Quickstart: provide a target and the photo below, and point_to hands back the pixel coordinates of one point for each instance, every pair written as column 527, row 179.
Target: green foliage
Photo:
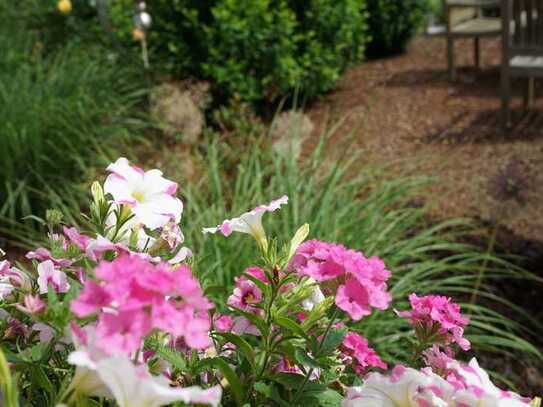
column 52, row 28
column 252, row 48
column 62, row 112
column 392, row 23
column 259, row 49
column 359, row 207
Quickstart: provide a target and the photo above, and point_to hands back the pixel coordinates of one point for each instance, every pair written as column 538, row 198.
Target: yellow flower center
column 138, row 196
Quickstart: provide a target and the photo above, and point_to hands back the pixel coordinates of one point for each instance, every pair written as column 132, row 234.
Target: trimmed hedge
column 392, row 23
column 258, row 49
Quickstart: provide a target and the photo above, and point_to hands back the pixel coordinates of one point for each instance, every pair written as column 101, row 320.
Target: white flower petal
column 123, row 169
column 133, row 386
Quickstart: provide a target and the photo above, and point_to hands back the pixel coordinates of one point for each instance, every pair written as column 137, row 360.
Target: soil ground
column 403, row 109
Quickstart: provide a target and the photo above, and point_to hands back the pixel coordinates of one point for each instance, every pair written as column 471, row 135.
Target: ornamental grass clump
column 115, row 315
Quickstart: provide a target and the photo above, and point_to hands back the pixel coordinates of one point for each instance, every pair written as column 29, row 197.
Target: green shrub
column 62, row 111
column 259, row 49
column 392, row 23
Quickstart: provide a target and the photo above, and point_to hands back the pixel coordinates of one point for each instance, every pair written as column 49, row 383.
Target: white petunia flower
column 314, row 299
column 49, row 275
column 149, row 195
column 478, row 390
column 85, row 359
column 406, row 387
column 250, row 222
column 6, row 287
column 134, row 386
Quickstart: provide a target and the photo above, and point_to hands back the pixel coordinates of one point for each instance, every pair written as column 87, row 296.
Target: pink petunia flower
column 223, row 323
column 286, row 366
column 49, row 275
column 438, row 360
column 134, row 296
column 437, row 318
column 245, row 295
column 362, row 281
column 11, row 278
column 356, row 353
column 76, row 238
column 6, row 288
column 96, row 248
column 42, row 254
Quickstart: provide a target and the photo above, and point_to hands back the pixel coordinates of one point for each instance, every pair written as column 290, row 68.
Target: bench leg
column 477, row 52
column 450, row 58
column 505, row 114
column 531, row 92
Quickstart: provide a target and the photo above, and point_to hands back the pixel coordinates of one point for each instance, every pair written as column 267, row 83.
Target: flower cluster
column 437, row 319
column 362, row 281
column 114, row 312
column 356, row 352
column 132, row 297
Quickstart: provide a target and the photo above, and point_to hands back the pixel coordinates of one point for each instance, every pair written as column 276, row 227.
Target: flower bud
column 33, row 305
column 53, row 217
column 97, row 192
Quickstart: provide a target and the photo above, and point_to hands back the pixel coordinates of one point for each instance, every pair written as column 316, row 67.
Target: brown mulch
column 403, row 109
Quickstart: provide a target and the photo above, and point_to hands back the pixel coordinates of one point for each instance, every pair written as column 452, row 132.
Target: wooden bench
column 465, row 19
column 522, row 49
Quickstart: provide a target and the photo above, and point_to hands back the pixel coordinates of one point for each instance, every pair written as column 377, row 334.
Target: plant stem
column 319, row 347
column 267, row 344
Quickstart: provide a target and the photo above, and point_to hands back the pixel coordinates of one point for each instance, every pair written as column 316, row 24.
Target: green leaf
column 256, row 320
column 39, row 377
column 275, row 396
column 290, row 325
column 36, row 218
column 263, row 388
column 242, row 345
column 214, row 289
column 8, row 386
column 218, row 363
column 314, row 389
column 304, row 359
column 332, row 341
column 330, row 398
column 177, row 359
column 289, row 380
column 37, row 351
